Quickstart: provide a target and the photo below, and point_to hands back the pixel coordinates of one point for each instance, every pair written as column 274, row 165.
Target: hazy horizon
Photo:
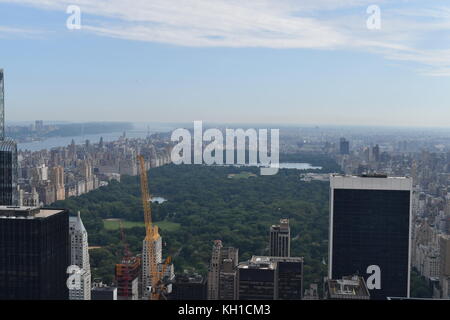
column 309, row 62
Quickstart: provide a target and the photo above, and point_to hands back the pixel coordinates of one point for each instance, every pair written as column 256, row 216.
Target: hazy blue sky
column 271, row 61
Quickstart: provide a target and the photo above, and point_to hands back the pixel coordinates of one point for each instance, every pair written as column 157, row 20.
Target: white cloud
column 6, row 32
column 317, row 24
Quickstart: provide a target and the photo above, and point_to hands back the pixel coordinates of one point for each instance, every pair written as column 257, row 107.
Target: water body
column 299, row 166
column 159, row 199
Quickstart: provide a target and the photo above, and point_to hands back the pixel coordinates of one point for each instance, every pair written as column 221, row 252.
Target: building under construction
column 127, row 278
column 127, row 272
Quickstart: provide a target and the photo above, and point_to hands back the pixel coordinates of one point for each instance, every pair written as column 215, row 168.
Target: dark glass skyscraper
column 280, row 239
column 8, row 157
column 370, row 232
column 8, row 172
column 344, row 146
column 34, row 253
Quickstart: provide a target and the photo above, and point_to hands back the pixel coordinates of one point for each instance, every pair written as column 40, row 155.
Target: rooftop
column 258, row 263
column 370, row 182
column 20, row 212
column 351, row 287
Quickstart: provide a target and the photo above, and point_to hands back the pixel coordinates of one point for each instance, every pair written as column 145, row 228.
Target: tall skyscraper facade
column 289, row 277
column 79, row 256
column 370, row 232
column 271, row 278
column 223, row 265
column 280, row 239
column 34, row 253
column 188, row 287
column 8, row 157
column 258, row 279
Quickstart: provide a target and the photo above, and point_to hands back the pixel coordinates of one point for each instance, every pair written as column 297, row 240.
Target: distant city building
column 189, row 287
column 219, row 254
column 347, row 288
column 79, row 254
column 370, row 232
column 290, row 277
column 39, row 125
column 34, row 253
column 228, row 280
column 344, row 146
column 258, row 279
column 376, row 153
column 280, row 239
column 270, row 278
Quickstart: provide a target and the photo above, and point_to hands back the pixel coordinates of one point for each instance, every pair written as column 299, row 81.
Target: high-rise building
column 219, row 254
column 214, row 269
column 280, row 239
column 228, row 280
column 2, row 105
column 376, row 153
column 34, row 253
column 370, row 232
column 156, row 249
column 344, row 146
column 270, row 278
column 57, row 179
column 444, row 244
column 8, row 158
column 79, row 256
column 39, row 125
column 258, row 279
column 290, row 277
column 8, row 173
column 189, row 287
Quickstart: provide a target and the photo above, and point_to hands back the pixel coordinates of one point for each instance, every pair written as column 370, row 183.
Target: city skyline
column 314, row 63
column 224, row 150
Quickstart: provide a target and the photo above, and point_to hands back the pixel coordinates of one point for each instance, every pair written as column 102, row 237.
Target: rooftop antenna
column 2, row 107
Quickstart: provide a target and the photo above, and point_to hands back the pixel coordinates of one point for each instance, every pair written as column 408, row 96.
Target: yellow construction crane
column 151, row 235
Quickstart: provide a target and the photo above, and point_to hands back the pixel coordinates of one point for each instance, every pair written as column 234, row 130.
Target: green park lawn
column 113, row 224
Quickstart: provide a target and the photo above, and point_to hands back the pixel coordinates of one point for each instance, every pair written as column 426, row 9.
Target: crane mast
column 151, row 235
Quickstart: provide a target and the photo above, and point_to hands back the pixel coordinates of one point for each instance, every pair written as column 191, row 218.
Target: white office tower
column 79, row 256
column 156, row 244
